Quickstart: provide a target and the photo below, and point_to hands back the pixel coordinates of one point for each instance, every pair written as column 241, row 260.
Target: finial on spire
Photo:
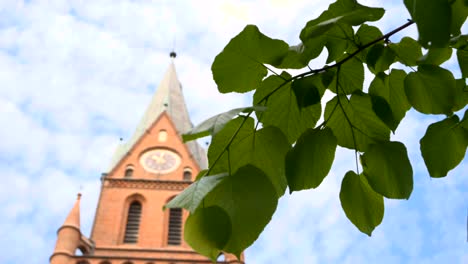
column 173, row 54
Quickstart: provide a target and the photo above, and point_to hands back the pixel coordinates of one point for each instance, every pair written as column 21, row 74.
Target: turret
column 68, row 236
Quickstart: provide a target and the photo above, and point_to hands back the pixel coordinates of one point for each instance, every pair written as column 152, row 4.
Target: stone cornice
column 146, row 184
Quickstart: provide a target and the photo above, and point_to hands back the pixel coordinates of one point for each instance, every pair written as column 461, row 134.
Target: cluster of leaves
column 252, row 161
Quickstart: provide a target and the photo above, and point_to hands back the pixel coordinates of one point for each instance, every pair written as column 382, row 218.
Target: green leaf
column 459, row 14
column 388, row 169
column 283, row 110
column 443, row 146
column 351, row 77
column 462, row 57
column 191, row 197
column 436, row 56
column 407, row 51
column 208, row 230
column 297, row 57
column 461, row 98
column 379, row 58
column 250, row 200
column 338, row 39
column 383, row 110
column 362, row 205
column 310, row 160
column 339, row 14
column 431, row 90
column 346, row 11
column 214, row 124
column 308, row 90
column 459, row 42
column 392, row 89
column 433, row 18
column 367, row 127
column 243, row 57
column 464, row 121
column 364, row 35
column 265, row 149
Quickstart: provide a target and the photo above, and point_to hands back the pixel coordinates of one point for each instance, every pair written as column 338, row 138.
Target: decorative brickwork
column 147, row 184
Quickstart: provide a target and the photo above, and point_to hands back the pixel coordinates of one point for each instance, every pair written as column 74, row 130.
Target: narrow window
column 175, row 226
column 133, row 223
column 129, row 172
column 187, row 174
column 162, row 136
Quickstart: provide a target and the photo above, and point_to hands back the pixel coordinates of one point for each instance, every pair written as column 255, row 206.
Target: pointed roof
column 170, row 99
column 73, row 218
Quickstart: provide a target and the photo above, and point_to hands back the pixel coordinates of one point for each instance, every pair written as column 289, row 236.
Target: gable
column 159, row 154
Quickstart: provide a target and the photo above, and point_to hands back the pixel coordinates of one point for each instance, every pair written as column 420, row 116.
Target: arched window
column 82, row 262
column 129, row 172
column 187, row 174
column 221, row 258
column 80, row 251
column 128, row 262
column 104, row 262
column 133, row 223
column 175, row 227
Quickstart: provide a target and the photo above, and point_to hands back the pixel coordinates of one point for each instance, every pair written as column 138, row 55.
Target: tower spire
column 168, row 98
column 73, row 218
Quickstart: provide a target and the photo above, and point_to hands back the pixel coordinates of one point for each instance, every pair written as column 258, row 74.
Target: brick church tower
column 130, row 226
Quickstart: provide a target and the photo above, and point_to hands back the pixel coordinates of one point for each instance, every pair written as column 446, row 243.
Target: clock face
column 160, row 161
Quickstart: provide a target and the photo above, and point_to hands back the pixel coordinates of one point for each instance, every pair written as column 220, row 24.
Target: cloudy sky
column 75, row 76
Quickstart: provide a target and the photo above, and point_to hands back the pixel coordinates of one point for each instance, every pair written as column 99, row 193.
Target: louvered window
column 133, row 223
column 175, row 226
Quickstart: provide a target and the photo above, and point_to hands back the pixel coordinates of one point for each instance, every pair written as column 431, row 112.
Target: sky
column 75, row 76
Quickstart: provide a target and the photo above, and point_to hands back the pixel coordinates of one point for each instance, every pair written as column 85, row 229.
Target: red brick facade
column 152, row 190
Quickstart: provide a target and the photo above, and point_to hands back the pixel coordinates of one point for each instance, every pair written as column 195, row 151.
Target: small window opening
column 175, row 227
column 80, row 251
column 162, row 136
column 187, row 174
column 133, row 223
column 221, row 258
column 129, row 172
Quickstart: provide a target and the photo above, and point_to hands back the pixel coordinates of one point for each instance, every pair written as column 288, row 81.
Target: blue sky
column 75, row 76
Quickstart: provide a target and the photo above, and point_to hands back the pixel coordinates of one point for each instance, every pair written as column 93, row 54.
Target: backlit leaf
column 431, row 90
column 351, row 77
column 462, row 57
column 250, row 200
column 407, row 51
column 443, row 146
column 367, row 127
column 308, row 90
column 310, row 160
column 283, row 110
column 214, row 124
column 362, row 205
column 265, row 149
column 243, row 57
column 433, row 19
column 379, row 58
column 191, row 197
column 436, row 56
column 388, row 169
column 208, row 230
column 392, row 89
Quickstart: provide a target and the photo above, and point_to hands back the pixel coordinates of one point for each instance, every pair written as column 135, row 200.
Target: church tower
column 146, row 172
